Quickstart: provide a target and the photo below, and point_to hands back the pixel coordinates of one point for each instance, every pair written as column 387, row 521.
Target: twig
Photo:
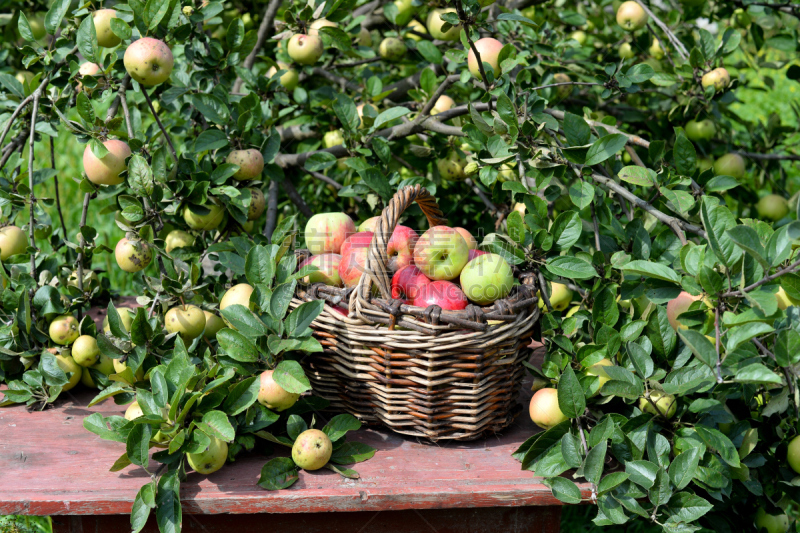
column 123, row 86
column 596, row 228
column 160, row 125
column 14, row 116
column 127, row 114
column 740, row 292
column 543, row 292
column 465, row 24
column 716, row 332
column 153, row 307
column 633, row 139
column 338, row 80
column 671, row 36
column 448, row 81
column 586, row 451
column 485, row 199
column 55, row 181
column 272, row 210
column 322, row 177
column 352, row 64
column 31, row 142
column 264, row 32
column 295, row 197
column 769, row 157
column 82, row 243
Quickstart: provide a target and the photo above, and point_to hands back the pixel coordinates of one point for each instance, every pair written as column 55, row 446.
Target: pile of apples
column 442, row 267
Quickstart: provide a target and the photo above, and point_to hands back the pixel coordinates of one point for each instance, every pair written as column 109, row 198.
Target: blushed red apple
column 328, row 273
column 445, row 294
column 354, row 257
column 441, row 253
column 326, row 232
column 407, row 282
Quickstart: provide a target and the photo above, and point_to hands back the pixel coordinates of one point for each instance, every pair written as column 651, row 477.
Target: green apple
column 237, row 295
column 133, row 411
column 793, row 454
column 677, row 306
column 561, row 92
column 64, row 330
column 730, row 165
column 126, row 317
column 719, row 78
column 85, row 351
column 13, row 241
column 418, row 27
column 364, row 38
column 211, row 459
column 700, row 130
column 443, row 103
column 598, row 371
column 435, row 23
column 665, row 404
column 69, row 366
column 149, row 61
column 312, row 449
column 273, row 396
column 107, row 170
column 451, row 167
column 204, row 221
column 326, row 232
column 404, row 11
column 332, row 138
column 560, row 297
column 544, row 409
column 741, row 19
column 305, row 49
column 102, row 27
column 631, row 16
column 771, row 523
column 289, row 79
column 318, row 24
column 441, row 253
column 392, row 49
column 36, row 22
column 772, row 207
column 178, row 239
column 105, row 365
column 188, row 321
column 655, row 50
column 487, row 278
column 133, row 255
column 258, row 204
column 250, row 161
column 213, row 325
column 625, row 51
column 579, row 36
column 784, row 300
column 489, row 50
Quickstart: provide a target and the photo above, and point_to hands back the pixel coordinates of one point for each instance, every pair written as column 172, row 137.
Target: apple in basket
column 441, row 253
column 326, row 232
column 354, row 257
column 407, row 282
column 472, row 244
column 487, row 278
column 328, row 273
column 400, row 247
column 474, row 253
column 445, row 294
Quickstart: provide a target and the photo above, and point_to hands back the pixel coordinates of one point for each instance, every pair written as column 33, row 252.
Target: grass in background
column 25, row 524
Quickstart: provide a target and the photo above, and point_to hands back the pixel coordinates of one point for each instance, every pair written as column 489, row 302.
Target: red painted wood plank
column 50, row 465
column 482, row 520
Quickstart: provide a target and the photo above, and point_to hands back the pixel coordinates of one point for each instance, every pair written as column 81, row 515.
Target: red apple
column 472, row 254
column 445, row 294
column 441, row 253
column 370, row 224
column 468, row 238
column 328, row 273
column 401, row 247
column 354, row 257
column 407, row 282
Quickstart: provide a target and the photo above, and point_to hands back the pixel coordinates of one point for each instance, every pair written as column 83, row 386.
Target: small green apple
column 64, row 330
column 273, row 396
column 211, row 459
column 149, row 61
column 544, row 409
column 188, row 321
column 312, row 449
column 13, row 241
column 178, row 239
column 771, row 523
column 392, row 49
column 213, row 325
column 305, row 49
column 85, row 351
column 133, row 255
column 665, row 404
column 772, row 207
column 435, row 23
column 631, row 16
column 700, row 130
column 719, row 78
column 793, row 454
column 730, row 165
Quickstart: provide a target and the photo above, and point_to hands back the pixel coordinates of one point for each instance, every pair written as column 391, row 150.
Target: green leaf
column 611, row 481
column 259, row 266
column 571, row 399
column 302, row 317
column 216, row 424
column 717, row 441
column 291, row 377
column 717, row 220
column 137, row 444
column 685, row 156
column 740, row 334
column 210, row 139
column 688, row 507
column 700, row 346
column 684, row 466
column 641, row 359
column 642, row 472
column 154, row 11
column 245, row 322
column 605, row 147
column 144, row 501
column 576, row 130
column 54, row 16
column 352, row 452
column 168, row 503
column 563, row 489
column 747, row 239
column 721, row 183
column 140, row 176
column 571, row 267
column 757, row 373
column 638, row 176
column 660, row 332
column 295, row 425
column 581, row 194
column 278, row 473
column 393, row 113
column 24, row 28
column 340, row 425
column 235, row 34
column 121, row 29
column 566, row 230
column 237, row 346
column 595, row 460
column 242, row 396
column 87, row 40
column 649, row 269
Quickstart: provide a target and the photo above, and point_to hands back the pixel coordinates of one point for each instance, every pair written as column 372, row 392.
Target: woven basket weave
column 444, row 374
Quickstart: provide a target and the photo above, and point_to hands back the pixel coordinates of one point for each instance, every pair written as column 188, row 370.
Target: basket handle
column 376, row 270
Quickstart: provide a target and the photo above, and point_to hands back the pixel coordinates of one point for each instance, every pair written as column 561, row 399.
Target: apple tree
column 602, row 146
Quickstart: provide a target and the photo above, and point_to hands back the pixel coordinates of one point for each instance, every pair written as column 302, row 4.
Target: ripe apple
column 207, row 221
column 69, row 366
column 656, row 52
column 13, row 241
column 126, row 317
column 598, row 371
column 404, row 11
column 407, row 283
column 133, row 411
column 445, row 294
column 328, row 273
column 625, row 51
column 770, row 522
column 90, row 280
column 120, row 366
column 273, row 396
column 793, row 454
column 102, row 27
column 188, row 321
column 443, row 103
column 400, row 248
column 468, row 238
column 305, row 49
column 148, row 61
column 474, row 253
column 105, row 366
column 318, row 24
column 392, row 49
column 85, row 351
column 487, row 278
column 700, row 130
column 631, row 16
column 435, row 24
column 579, row 36
column 312, row 449
column 441, row 253
column 289, row 79
column 678, row 305
column 730, row 165
column 544, row 409
column 64, row 330
column 250, row 161
column 416, row 26
column 452, row 167
column 106, row 171
column 213, row 325
column 326, row 232
column 369, row 225
column 354, row 257
column 133, row 255
column 489, row 50
column 211, row 459
column 332, row 138
column 665, row 404
column 178, row 238
column 772, row 207
column 719, row 78
column 237, row 295
column 560, row 297
column 87, row 69
column 258, row 204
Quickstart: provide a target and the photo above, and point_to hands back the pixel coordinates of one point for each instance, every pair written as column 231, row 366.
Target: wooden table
column 50, row 465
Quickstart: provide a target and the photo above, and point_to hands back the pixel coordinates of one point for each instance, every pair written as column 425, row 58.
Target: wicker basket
column 444, row 374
